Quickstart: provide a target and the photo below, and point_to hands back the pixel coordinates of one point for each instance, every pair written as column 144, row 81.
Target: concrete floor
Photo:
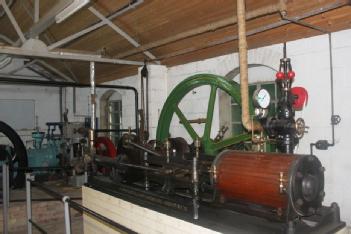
column 48, row 214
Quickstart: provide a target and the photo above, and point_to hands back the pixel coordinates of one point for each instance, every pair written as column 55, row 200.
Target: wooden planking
column 137, row 218
column 336, row 20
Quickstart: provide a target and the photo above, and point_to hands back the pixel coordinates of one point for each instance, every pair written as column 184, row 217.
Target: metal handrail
column 68, row 203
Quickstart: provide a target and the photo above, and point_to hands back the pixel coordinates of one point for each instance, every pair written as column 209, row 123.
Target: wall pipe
column 244, row 83
column 142, row 110
column 61, row 105
column 145, row 74
column 77, row 85
column 93, row 105
column 335, row 119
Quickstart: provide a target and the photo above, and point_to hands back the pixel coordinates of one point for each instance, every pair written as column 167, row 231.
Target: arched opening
column 111, row 113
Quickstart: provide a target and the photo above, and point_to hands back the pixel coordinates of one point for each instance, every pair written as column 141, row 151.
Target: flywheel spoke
column 186, row 123
column 210, row 109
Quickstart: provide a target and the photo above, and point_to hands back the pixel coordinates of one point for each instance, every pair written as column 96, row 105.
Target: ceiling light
column 70, row 10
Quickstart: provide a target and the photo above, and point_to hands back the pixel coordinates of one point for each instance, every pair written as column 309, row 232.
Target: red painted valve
column 105, row 147
column 301, row 95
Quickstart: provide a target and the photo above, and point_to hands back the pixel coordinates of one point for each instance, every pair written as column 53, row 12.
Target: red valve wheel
column 105, row 147
column 301, row 95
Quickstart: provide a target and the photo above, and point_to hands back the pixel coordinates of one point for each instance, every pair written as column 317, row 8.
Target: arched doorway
column 111, row 113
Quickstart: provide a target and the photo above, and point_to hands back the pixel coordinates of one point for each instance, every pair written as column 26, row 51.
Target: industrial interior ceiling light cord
column 244, row 83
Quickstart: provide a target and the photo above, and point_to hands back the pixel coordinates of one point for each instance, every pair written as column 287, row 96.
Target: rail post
column 29, row 177
column 65, row 200
column 5, row 196
column 8, row 183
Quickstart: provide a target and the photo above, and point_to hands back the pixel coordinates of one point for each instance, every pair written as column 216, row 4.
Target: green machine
column 171, row 107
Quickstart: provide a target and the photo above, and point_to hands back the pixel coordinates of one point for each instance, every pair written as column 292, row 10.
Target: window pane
column 115, row 117
column 236, row 113
column 238, row 129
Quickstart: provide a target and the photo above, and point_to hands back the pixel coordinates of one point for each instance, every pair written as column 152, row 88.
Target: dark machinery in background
column 59, row 152
column 212, row 174
column 63, row 148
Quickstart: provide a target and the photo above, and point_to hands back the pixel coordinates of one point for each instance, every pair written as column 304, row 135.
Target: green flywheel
column 179, row 92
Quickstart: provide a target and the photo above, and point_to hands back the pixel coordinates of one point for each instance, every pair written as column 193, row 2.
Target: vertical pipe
column 196, row 180
column 60, row 103
column 29, row 203
column 36, row 11
column 147, row 114
column 74, row 101
column 331, row 87
column 4, row 197
column 93, row 103
column 65, row 200
column 168, row 148
column 147, row 105
column 7, row 185
column 146, row 173
column 142, row 112
column 136, row 108
column 244, row 83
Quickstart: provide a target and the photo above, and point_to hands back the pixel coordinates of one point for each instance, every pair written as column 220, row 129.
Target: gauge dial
column 262, row 98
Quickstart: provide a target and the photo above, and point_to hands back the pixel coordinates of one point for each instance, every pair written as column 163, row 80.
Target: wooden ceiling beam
column 267, row 10
column 284, row 21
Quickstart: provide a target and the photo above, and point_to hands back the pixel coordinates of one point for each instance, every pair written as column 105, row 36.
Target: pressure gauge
column 261, row 98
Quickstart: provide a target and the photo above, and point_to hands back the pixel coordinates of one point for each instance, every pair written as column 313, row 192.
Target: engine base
column 223, row 220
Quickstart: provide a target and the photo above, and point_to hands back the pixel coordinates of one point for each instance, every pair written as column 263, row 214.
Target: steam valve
column 301, row 97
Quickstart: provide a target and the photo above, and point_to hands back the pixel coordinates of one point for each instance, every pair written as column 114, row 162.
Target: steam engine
column 217, row 173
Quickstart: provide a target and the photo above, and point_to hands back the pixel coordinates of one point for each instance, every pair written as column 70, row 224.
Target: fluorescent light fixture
column 70, row 10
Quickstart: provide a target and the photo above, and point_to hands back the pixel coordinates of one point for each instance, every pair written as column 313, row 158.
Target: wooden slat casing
column 251, row 177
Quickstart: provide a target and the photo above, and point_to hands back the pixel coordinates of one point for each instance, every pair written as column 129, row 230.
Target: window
column 12, row 113
column 115, row 119
column 237, row 127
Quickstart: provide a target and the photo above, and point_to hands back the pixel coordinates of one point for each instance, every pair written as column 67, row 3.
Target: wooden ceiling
column 154, row 20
